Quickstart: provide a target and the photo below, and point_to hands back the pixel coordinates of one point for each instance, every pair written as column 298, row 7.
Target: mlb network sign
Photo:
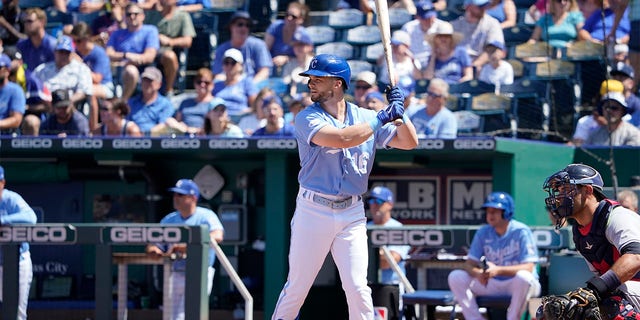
column 437, row 199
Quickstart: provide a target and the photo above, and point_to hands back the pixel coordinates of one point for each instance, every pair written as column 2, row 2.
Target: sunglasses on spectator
column 30, row 20
column 105, row 109
column 242, row 24
column 292, row 16
column 363, row 87
column 229, row 62
column 134, row 14
column 200, row 82
column 376, row 201
column 433, row 95
column 613, row 108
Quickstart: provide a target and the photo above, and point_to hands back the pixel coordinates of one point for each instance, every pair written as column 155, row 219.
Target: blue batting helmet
column 501, row 200
column 328, row 65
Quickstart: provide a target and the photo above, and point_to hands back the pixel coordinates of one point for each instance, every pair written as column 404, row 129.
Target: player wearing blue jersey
column 185, row 200
column 13, row 209
column 336, row 143
column 501, row 261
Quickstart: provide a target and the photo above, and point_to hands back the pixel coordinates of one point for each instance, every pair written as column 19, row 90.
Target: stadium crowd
column 118, row 73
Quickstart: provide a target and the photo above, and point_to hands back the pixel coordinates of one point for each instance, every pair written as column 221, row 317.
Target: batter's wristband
column 405, row 117
column 375, row 124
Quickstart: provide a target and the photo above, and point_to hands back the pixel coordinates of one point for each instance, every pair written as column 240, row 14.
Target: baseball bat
column 382, row 11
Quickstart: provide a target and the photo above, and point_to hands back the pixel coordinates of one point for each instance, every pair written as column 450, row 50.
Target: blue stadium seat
column 23, row 4
column 341, row 49
column 448, row 14
column 358, row 66
column 362, row 36
column 344, row 19
column 56, row 20
column 397, row 18
column 321, row 34
column 87, row 17
column 465, row 90
column 372, row 52
column 201, row 53
column 516, row 35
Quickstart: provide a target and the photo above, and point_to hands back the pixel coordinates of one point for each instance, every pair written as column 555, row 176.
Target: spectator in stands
column 625, row 74
column 218, row 124
column 237, row 90
column 149, row 109
column 65, row 120
column 12, row 100
column 11, row 27
column 295, row 106
column 104, row 25
column 375, row 101
column 403, row 62
column 502, row 260
column 187, row 211
column 366, row 82
column 95, row 57
column 82, row 6
column 176, row 33
column 275, row 126
column 425, row 22
column 560, row 25
column 478, row 29
column 38, row 47
column 504, row 11
column 255, row 119
column 193, row 5
column 113, row 116
column 448, row 60
column 15, row 210
column 434, row 120
column 620, row 8
column 303, row 50
column 497, row 71
column 620, row 54
column 589, row 123
column 628, row 199
column 38, row 97
column 280, row 35
column 616, row 132
column 599, row 23
column 380, row 202
column 133, row 47
column 191, row 115
column 257, row 62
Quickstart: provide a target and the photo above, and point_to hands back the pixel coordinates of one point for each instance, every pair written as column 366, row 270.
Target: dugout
column 89, row 180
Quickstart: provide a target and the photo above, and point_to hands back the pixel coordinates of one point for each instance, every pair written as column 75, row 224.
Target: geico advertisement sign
column 425, row 238
column 144, row 234
column 37, row 234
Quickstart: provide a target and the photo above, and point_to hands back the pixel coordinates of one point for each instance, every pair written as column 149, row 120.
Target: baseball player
column 13, row 209
column 501, row 261
column 185, row 200
column 605, row 233
column 336, row 143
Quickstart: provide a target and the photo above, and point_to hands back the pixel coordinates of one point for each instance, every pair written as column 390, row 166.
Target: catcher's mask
column 563, row 185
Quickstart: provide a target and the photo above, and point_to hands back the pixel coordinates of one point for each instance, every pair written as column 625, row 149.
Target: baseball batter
column 336, row 143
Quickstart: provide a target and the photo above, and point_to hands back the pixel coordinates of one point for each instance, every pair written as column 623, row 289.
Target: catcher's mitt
column 579, row 304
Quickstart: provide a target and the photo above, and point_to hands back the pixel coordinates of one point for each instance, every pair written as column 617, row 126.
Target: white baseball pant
column 178, row 284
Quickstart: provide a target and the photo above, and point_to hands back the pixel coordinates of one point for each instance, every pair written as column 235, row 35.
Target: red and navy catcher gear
column 328, row 65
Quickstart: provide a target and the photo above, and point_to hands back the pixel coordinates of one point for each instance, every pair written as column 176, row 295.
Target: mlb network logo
column 380, row 313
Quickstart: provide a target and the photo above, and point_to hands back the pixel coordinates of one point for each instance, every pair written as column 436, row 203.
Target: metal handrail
column 248, row 299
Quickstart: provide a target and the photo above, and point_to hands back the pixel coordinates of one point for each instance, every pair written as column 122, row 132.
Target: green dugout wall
column 262, row 175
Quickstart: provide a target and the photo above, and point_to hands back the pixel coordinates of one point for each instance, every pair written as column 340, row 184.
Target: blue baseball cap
column 381, row 193
column 186, row 186
column 478, row 3
column 5, row 61
column 623, row 69
column 497, row 44
column 374, row 95
column 1, row 173
column 425, row 10
column 65, row 43
column 302, row 36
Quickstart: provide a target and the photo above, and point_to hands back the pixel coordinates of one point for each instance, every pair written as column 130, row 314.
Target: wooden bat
column 382, row 11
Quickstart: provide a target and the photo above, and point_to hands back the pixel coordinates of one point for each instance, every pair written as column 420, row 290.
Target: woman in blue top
column 560, row 25
column 279, row 35
column 448, row 61
column 237, row 90
column 504, row 11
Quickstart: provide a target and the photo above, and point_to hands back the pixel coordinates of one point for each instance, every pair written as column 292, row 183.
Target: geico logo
column 82, row 143
column 408, row 237
column 33, row 234
column 131, row 143
column 543, row 238
column 180, row 144
column 276, row 144
column 228, row 144
column 431, row 144
column 36, row 143
column 474, row 144
column 141, row 234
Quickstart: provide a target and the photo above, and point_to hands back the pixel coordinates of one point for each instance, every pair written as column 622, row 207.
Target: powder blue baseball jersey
column 344, row 172
column 202, row 216
column 13, row 209
column 516, row 246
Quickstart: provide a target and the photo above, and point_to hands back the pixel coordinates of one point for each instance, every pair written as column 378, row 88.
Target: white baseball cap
column 234, row 54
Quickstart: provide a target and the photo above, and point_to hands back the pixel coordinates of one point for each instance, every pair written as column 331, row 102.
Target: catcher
column 608, row 237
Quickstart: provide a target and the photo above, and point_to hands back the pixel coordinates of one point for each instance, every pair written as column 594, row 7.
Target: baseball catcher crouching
column 584, row 304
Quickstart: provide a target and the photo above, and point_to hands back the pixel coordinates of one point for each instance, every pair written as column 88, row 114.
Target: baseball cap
column 1, row 173
column 219, row 107
column 615, row 96
column 381, row 193
column 367, row 76
column 623, row 69
column 478, row 3
column 234, row 54
column 65, row 43
column 60, row 98
column 5, row 61
column 374, row 95
column 152, row 73
column 186, row 186
column 407, row 85
column 497, row 44
column 241, row 14
column 400, row 37
column 621, row 48
column 611, row 85
column 425, row 9
column 302, row 36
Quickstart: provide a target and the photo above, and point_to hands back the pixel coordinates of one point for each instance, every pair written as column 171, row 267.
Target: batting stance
column 502, row 261
column 336, row 143
column 607, row 235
